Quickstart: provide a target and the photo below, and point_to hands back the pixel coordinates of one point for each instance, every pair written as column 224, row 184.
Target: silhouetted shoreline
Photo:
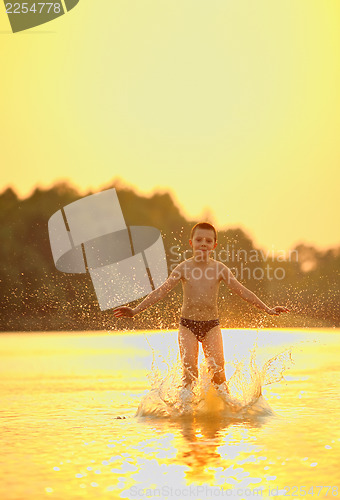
column 37, row 297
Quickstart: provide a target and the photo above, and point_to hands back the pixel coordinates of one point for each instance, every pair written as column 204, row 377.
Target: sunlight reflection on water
column 62, row 395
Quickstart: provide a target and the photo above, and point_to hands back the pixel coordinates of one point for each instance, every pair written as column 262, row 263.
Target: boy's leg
column 213, row 351
column 188, row 346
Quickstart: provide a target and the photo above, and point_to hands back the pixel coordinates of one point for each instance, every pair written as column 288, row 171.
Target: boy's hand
column 124, row 311
column 278, row 309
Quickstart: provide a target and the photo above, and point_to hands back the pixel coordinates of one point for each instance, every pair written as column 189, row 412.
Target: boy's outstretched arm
column 153, row 297
column 248, row 295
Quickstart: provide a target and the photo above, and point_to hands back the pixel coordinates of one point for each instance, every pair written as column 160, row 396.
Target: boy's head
column 203, row 225
column 203, row 239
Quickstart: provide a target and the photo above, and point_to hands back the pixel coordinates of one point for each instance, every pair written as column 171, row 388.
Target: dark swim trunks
column 199, row 328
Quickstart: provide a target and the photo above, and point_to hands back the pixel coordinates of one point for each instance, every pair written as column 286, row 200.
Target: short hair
column 203, row 225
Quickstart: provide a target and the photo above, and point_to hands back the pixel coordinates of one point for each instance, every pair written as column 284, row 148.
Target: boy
column 200, row 276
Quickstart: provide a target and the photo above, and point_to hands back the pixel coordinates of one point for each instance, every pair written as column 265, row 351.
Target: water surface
column 68, row 406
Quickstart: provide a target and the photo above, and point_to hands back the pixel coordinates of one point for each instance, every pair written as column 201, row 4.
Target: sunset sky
column 231, row 106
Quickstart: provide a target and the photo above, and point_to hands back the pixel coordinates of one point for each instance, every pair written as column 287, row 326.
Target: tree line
column 35, row 296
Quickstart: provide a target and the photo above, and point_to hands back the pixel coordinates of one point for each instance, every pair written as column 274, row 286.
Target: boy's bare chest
column 201, row 278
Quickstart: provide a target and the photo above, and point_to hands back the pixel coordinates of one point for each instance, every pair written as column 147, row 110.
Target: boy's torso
column 200, row 282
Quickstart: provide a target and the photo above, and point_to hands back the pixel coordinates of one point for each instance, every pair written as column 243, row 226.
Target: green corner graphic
column 25, row 15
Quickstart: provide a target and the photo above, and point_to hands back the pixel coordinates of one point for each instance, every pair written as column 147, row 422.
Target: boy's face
column 203, row 241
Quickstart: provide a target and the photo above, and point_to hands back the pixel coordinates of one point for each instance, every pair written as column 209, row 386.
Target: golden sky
column 234, row 106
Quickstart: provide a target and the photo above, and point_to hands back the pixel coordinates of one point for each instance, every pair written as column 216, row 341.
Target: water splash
column 168, row 399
